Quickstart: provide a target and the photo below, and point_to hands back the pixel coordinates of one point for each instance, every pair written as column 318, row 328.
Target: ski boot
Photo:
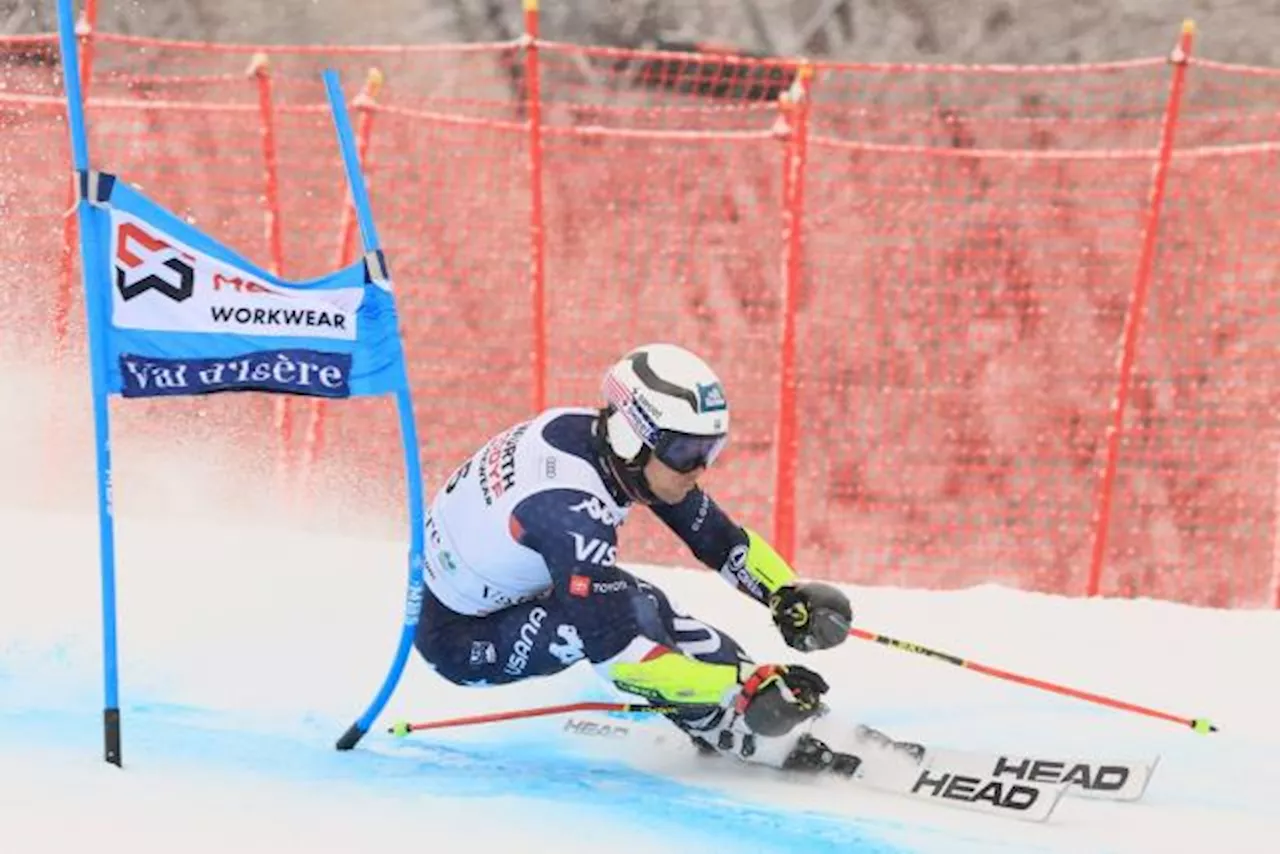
column 759, row 724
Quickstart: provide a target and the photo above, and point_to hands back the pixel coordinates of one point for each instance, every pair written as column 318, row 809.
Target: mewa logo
column 144, row 262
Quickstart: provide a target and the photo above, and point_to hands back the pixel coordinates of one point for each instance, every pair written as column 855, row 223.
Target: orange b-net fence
column 1010, row 325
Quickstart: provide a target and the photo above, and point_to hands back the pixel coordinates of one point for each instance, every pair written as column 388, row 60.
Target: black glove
column 777, row 697
column 811, row 615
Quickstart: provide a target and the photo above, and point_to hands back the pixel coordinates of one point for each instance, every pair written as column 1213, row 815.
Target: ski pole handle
column 1200, row 725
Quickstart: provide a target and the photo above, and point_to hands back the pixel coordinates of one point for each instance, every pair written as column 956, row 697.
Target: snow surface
column 247, row 648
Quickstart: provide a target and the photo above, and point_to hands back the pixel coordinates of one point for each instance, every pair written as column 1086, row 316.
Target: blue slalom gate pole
column 376, row 264
column 91, row 259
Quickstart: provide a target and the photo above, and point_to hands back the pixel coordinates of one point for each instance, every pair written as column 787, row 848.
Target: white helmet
column 663, row 401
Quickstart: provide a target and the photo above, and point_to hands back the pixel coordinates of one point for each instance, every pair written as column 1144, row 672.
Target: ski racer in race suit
column 521, row 562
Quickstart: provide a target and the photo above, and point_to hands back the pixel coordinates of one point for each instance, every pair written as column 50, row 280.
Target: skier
column 522, row 577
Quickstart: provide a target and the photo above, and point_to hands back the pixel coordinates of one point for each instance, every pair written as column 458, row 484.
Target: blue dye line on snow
column 603, row 788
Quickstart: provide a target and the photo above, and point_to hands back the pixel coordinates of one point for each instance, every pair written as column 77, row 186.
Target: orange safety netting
column 931, row 290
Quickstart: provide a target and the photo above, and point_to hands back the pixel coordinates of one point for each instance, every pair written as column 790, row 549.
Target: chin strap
column 627, row 476
column 631, row 479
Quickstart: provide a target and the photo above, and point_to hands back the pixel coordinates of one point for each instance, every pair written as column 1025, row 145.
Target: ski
column 958, row 779
column 1012, row 785
column 914, row 772
column 1110, row 779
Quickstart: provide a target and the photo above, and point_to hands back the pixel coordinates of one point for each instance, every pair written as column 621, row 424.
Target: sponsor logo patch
column 483, row 652
column 638, row 412
column 570, row 647
column 598, row 510
column 497, row 464
column 594, row 550
column 308, row 372
column 735, row 571
column 144, row 263
column 162, row 285
column 711, row 397
column 523, row 648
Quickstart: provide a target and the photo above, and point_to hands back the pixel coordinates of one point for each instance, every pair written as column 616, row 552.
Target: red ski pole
column 403, row 728
column 1200, row 725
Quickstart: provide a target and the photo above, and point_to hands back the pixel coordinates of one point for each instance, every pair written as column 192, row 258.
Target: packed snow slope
column 250, row 640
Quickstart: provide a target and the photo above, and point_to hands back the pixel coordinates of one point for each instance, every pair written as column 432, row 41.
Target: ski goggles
column 685, row 453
